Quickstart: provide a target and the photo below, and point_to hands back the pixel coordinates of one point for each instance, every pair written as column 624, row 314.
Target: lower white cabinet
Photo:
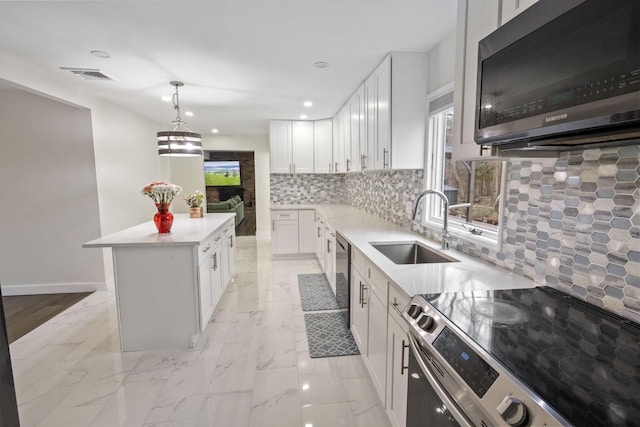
column 205, row 291
column 320, row 242
column 359, row 312
column 293, row 232
column 397, row 371
column 330, row 255
column 369, row 324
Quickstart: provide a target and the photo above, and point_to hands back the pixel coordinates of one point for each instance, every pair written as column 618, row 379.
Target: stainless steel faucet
column 445, row 224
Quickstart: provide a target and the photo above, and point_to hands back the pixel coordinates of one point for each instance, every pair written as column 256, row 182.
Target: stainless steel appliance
column 343, row 273
column 523, row 357
column 561, row 74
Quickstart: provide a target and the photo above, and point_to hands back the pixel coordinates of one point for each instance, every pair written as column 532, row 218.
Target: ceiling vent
column 87, row 73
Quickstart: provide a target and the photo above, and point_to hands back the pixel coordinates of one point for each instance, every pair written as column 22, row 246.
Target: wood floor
column 24, row 313
column 248, row 225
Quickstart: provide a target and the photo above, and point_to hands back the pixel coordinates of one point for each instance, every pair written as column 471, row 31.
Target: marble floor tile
column 327, row 415
column 275, row 399
column 252, row 367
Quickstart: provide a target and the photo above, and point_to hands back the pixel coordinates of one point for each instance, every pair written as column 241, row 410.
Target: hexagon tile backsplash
column 572, row 222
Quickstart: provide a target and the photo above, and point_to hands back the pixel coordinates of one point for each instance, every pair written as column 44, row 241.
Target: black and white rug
column 328, row 335
column 316, row 293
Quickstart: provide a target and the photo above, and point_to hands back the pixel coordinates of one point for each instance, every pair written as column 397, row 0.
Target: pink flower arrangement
column 161, row 192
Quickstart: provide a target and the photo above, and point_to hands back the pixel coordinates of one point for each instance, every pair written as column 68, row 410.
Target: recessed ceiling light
column 307, row 103
column 214, row 130
column 321, row 64
column 188, row 113
column 100, row 54
column 303, row 116
column 166, row 98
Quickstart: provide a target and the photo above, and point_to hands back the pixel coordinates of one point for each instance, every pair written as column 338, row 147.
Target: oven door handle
column 442, row 394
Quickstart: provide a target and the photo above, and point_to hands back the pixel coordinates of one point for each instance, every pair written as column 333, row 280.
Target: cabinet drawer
column 398, row 300
column 378, row 282
column 359, row 261
column 276, row 215
column 206, row 248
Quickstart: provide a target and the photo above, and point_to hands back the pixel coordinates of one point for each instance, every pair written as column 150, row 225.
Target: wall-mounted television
column 222, row 173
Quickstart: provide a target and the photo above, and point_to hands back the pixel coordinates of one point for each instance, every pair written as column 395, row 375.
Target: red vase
column 163, row 218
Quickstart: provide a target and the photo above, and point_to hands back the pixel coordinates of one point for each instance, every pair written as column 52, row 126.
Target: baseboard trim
column 52, row 288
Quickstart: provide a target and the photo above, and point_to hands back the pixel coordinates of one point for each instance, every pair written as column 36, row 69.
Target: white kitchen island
column 167, row 285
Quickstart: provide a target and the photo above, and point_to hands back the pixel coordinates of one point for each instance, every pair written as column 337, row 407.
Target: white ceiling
column 242, row 61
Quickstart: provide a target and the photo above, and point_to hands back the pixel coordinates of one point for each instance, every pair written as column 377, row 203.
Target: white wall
column 50, row 197
column 125, row 149
column 188, row 173
column 442, row 63
column 259, row 144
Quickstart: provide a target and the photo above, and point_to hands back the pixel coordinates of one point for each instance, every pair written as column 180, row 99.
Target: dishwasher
column 343, row 273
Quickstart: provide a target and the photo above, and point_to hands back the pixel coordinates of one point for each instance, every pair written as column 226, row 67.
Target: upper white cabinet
column 291, row 146
column 323, row 146
column 280, row 146
column 476, row 20
column 511, row 8
column 301, row 146
column 481, row 17
column 387, row 115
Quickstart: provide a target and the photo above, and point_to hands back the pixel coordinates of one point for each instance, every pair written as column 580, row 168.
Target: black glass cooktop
column 583, row 361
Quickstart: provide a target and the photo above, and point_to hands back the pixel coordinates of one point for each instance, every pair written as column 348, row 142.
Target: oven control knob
column 425, row 321
column 512, row 411
column 414, row 310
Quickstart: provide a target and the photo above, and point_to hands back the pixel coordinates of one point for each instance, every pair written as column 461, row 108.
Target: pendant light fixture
column 181, row 141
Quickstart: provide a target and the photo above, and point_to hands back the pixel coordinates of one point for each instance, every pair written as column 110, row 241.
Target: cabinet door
column 320, row 241
column 302, row 146
column 323, row 146
column 481, row 18
column 353, row 151
column 359, row 311
column 377, row 344
column 284, row 236
column 205, row 295
column 345, row 147
column 338, row 140
column 368, row 154
column 217, row 287
column 306, row 232
column 511, row 8
column 330, row 256
column 383, row 115
column 397, row 362
column 280, row 146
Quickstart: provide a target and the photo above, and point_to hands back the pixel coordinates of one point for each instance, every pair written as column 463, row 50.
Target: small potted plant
column 194, row 201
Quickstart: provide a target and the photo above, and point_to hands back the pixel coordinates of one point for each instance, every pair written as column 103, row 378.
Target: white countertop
column 361, row 228
column 185, row 231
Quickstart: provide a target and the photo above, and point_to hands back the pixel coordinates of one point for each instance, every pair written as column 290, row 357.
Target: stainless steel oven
column 520, row 357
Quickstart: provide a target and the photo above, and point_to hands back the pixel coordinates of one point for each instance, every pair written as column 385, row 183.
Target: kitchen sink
column 412, row 253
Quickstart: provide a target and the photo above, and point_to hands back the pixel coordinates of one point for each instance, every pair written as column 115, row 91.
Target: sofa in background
column 233, row 205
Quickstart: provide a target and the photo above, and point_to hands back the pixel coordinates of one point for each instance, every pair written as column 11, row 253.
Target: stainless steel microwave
column 561, row 74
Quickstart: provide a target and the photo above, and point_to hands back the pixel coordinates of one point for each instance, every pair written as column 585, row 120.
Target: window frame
column 434, row 178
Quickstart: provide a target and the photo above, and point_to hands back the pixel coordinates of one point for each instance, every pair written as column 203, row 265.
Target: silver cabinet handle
column 328, row 246
column 215, row 262
column 217, row 239
column 360, row 296
column 230, row 241
column 319, row 231
column 385, row 153
column 336, row 169
column 273, row 226
column 330, row 167
column 206, row 249
column 348, row 163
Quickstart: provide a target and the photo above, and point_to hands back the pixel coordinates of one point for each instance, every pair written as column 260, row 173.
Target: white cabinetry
column 511, row 8
column 353, row 151
column 320, row 242
column 228, row 254
column 330, row 256
column 205, row 292
column 306, row 232
column 382, row 148
column 369, row 319
column 397, row 359
column 476, row 20
column 291, row 146
column 293, row 232
column 323, row 146
column 284, row 232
